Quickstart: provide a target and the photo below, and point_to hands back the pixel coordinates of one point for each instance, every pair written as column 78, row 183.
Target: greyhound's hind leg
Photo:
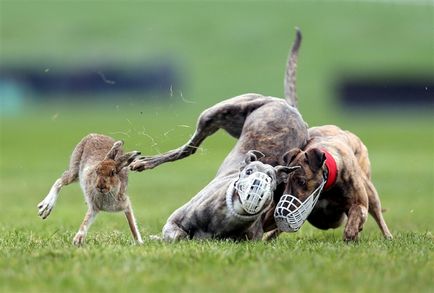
column 375, row 209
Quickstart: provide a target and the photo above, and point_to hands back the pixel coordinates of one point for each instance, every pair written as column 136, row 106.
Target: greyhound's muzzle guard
column 254, row 191
column 291, row 213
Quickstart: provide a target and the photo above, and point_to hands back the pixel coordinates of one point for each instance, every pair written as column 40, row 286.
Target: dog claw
column 350, row 237
column 141, row 165
column 135, row 166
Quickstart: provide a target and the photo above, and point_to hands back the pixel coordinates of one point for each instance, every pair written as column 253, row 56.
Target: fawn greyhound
column 338, row 161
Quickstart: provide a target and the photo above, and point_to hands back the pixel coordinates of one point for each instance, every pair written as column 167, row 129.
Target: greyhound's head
column 302, row 189
column 257, row 182
column 310, row 172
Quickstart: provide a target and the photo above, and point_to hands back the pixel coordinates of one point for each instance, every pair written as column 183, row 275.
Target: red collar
column 332, row 170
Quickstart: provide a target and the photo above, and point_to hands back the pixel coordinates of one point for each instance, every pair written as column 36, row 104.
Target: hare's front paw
column 46, row 206
column 79, row 239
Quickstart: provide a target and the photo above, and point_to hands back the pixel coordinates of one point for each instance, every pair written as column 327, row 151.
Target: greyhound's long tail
column 291, row 66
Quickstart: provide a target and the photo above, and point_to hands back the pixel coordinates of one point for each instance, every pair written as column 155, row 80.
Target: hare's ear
column 126, row 159
column 111, row 155
column 252, row 156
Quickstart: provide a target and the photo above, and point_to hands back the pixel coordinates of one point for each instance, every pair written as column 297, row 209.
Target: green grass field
column 225, row 49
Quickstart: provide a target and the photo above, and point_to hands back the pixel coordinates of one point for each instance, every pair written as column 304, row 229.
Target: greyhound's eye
column 301, row 182
column 249, row 171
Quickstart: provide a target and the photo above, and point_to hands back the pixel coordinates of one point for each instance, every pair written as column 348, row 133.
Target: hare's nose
column 100, row 186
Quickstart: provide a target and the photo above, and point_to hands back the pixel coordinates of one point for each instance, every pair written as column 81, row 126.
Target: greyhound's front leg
column 172, row 232
column 150, row 162
column 357, row 216
column 88, row 220
column 206, row 127
column 229, row 115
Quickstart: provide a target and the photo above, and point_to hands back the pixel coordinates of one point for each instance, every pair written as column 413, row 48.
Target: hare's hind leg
column 71, row 175
column 46, row 206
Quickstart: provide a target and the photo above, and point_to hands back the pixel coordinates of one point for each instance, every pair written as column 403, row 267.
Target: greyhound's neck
column 332, row 163
column 332, row 169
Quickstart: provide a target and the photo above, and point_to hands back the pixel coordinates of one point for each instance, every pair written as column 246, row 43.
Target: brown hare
column 100, row 165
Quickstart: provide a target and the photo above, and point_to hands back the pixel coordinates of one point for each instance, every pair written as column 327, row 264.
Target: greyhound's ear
column 252, row 156
column 111, row 155
column 282, row 173
column 288, row 157
column 315, row 158
column 126, row 159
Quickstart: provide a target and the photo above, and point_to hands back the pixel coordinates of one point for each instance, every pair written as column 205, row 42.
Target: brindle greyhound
column 269, row 125
column 340, row 158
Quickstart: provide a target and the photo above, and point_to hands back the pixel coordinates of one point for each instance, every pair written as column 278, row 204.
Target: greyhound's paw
column 143, row 164
column 350, row 236
column 79, row 239
column 138, row 165
column 45, row 207
column 155, row 238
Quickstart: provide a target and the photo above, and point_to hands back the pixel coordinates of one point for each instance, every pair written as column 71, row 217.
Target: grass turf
column 38, row 255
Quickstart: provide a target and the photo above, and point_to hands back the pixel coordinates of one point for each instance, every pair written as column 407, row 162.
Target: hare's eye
column 112, row 173
column 249, row 171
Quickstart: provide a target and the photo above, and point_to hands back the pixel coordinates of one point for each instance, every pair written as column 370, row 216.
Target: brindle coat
column 352, row 196
column 99, row 164
column 207, row 214
column 266, row 124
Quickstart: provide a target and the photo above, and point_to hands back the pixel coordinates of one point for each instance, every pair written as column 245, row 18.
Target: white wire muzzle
column 254, row 191
column 291, row 213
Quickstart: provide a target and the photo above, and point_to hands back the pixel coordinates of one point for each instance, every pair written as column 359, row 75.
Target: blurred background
column 143, row 71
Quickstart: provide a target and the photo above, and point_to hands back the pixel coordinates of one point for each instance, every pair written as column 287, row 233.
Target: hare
column 99, row 164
